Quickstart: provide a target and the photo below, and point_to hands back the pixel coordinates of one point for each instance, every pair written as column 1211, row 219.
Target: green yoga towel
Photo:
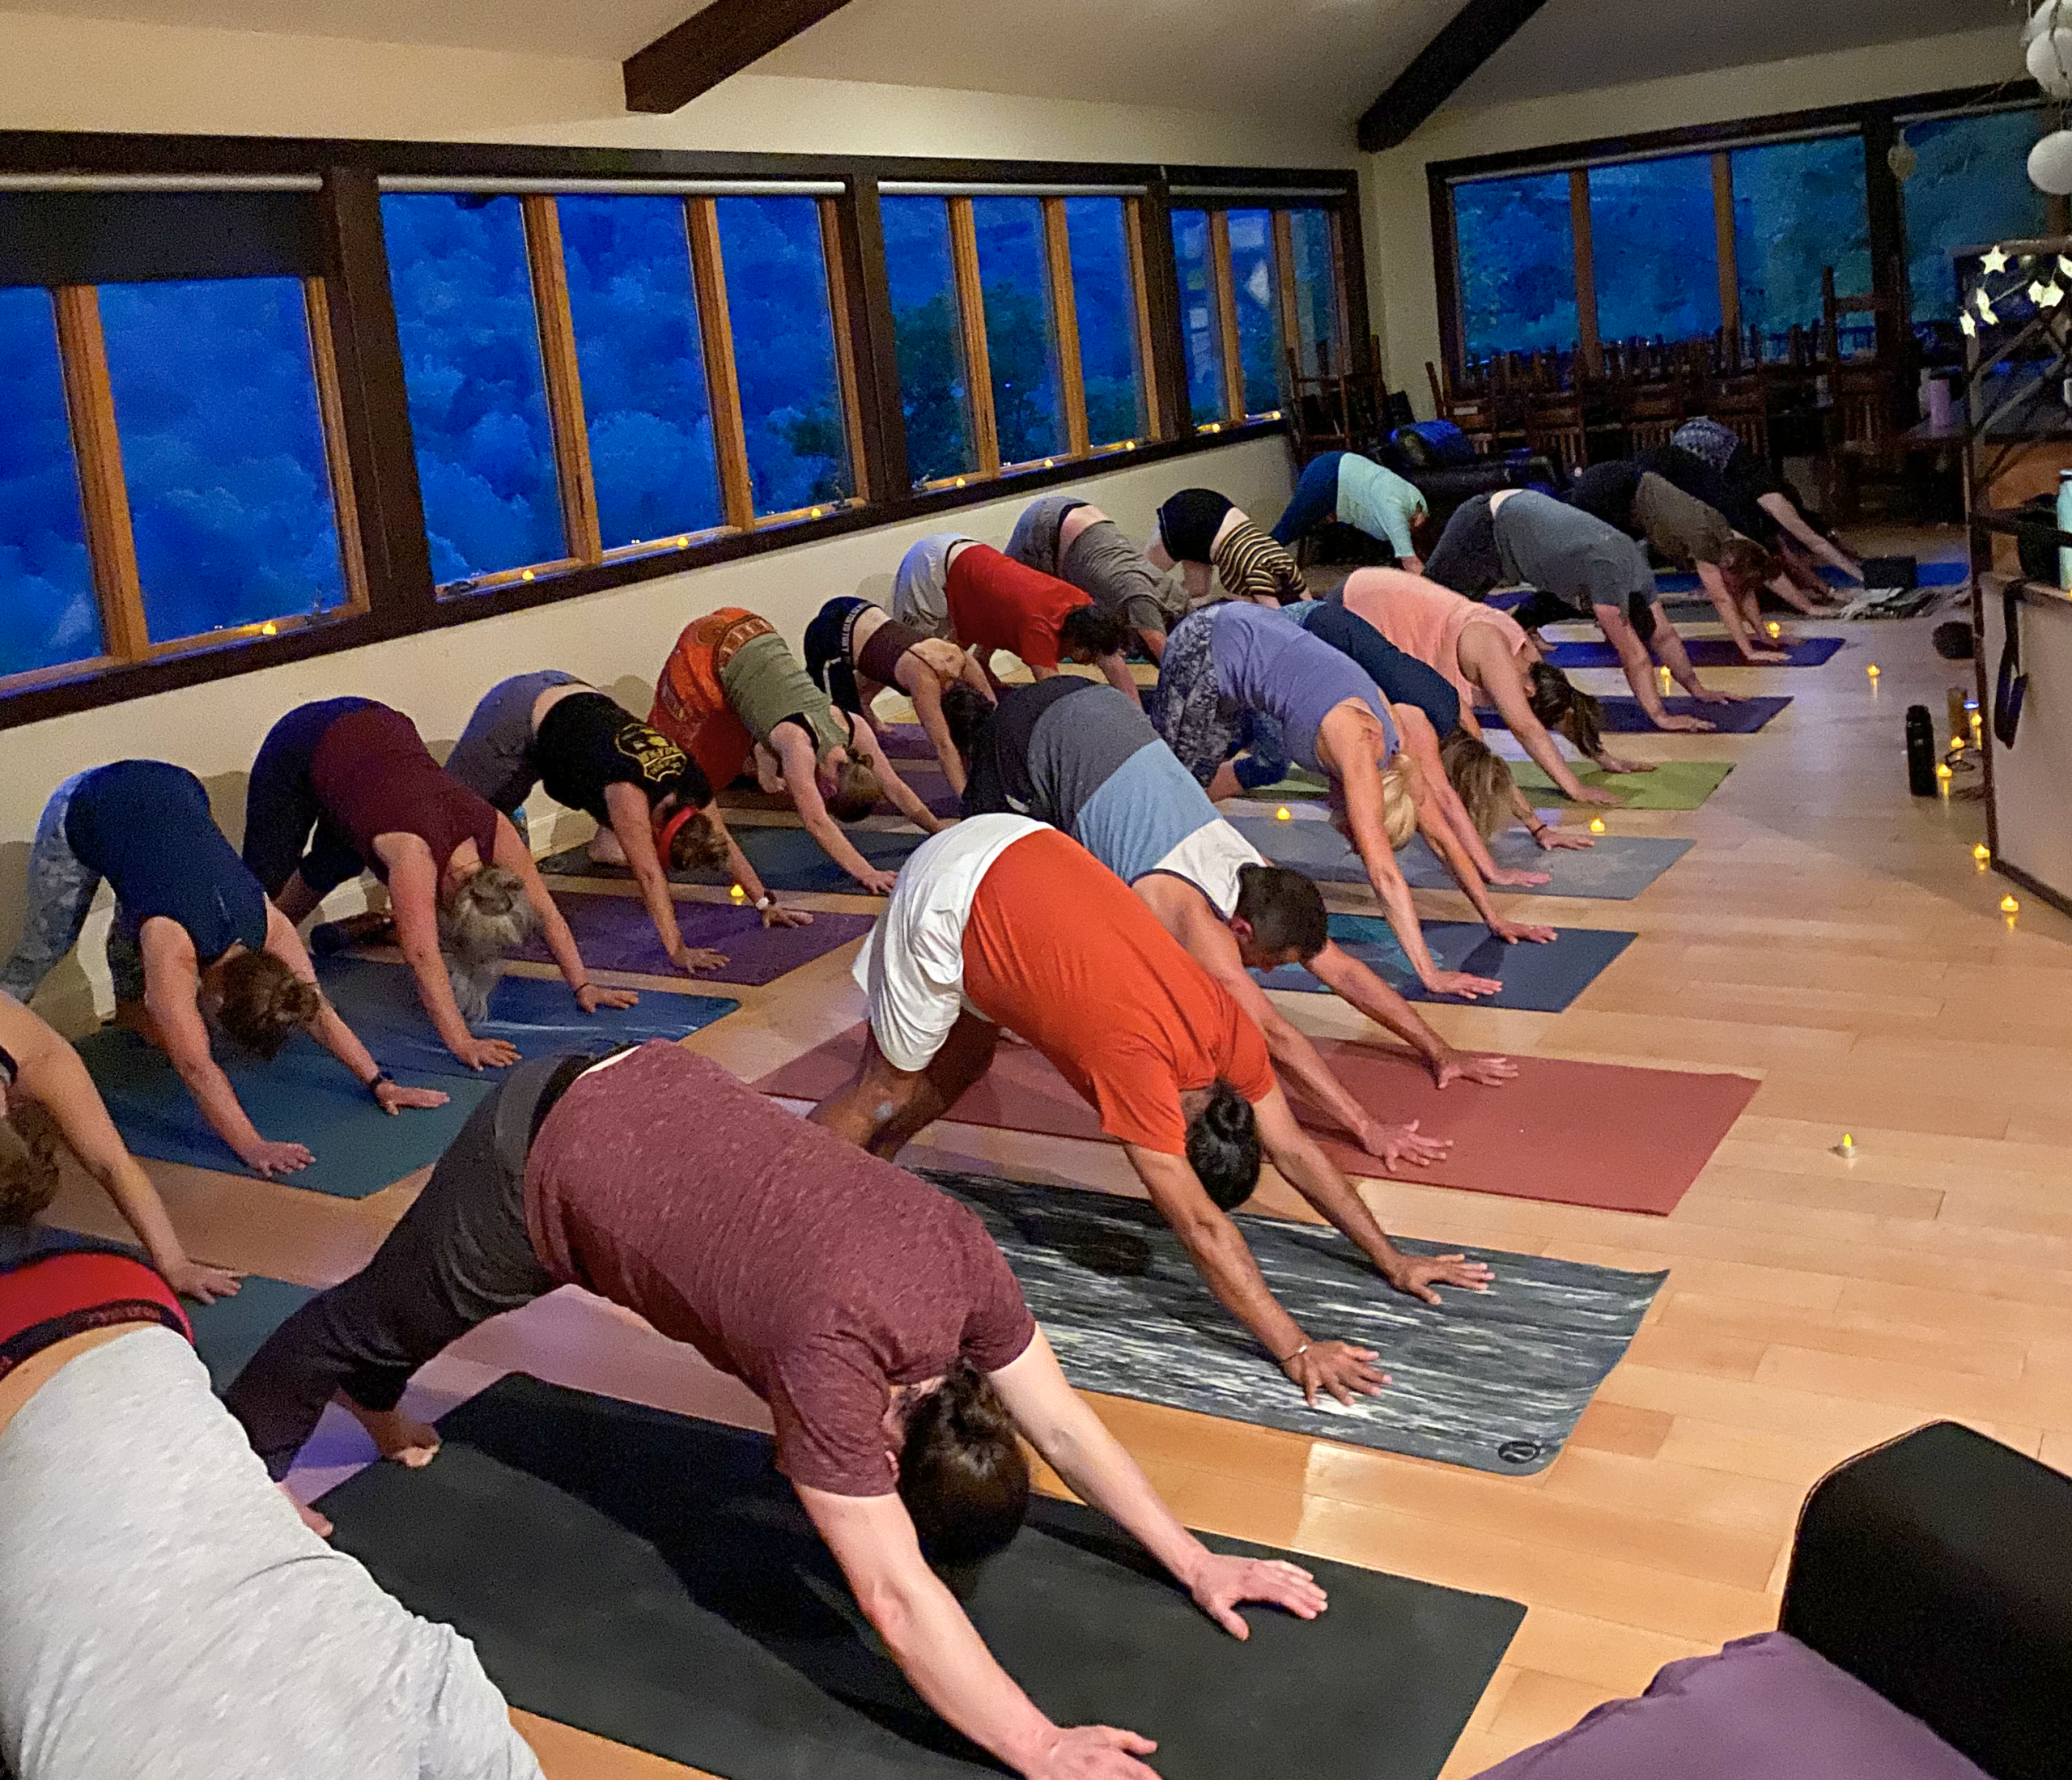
column 1675, row 784
column 1298, row 783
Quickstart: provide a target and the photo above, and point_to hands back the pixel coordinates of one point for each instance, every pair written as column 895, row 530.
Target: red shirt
column 807, row 1268
column 997, row 604
column 374, row 775
column 1063, row 952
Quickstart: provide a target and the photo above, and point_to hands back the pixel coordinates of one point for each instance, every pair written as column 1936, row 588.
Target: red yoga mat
column 1576, row 1133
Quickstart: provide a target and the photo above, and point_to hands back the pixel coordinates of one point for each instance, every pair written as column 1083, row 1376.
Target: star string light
column 1994, row 262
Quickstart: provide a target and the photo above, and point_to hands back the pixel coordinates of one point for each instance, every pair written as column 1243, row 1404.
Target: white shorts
column 911, row 967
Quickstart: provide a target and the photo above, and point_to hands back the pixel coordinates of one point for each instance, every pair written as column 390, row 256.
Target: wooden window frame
column 363, row 404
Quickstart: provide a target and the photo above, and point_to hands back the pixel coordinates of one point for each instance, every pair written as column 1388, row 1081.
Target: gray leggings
column 61, row 887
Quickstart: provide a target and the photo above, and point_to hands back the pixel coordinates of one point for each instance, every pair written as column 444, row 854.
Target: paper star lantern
column 1994, row 262
column 1969, row 326
column 1986, row 310
column 2049, row 297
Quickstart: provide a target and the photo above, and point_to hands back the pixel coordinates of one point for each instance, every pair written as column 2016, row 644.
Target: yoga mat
column 1623, row 716
column 614, row 933
column 305, row 1096
column 229, row 1332
column 904, row 740
column 1616, row 869
column 1494, row 1381
column 1674, row 784
column 1950, row 574
column 785, row 859
column 651, row 1579
column 930, row 786
column 538, row 1014
column 1705, row 651
column 1574, row 1133
column 1536, row 979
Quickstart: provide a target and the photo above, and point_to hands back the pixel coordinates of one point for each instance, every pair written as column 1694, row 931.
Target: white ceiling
column 1321, row 58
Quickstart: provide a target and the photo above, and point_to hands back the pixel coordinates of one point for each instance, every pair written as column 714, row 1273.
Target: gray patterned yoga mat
column 1492, row 1381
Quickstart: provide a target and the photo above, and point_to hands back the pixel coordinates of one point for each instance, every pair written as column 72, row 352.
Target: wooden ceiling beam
column 721, row 40
column 1475, row 34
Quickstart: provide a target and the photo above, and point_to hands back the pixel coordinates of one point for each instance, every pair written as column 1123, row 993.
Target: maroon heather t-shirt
column 815, row 1272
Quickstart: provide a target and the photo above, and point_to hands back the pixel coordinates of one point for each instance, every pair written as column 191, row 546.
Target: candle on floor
column 1942, row 777
column 1774, row 628
column 1846, row 1149
column 1284, row 814
column 1872, row 670
column 1597, row 824
column 1983, row 854
column 738, row 893
column 2009, row 906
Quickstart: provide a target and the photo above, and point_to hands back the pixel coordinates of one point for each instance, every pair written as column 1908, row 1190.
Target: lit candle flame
column 1597, row 824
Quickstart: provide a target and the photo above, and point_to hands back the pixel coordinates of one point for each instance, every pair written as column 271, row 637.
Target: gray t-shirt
column 167, row 1614
column 1546, row 543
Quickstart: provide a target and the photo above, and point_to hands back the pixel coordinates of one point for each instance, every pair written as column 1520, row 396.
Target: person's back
column 374, row 775
column 1266, row 663
column 1427, row 621
column 1560, row 551
column 1400, row 678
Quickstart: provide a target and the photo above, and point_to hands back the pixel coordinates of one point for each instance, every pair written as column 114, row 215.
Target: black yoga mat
column 650, row 1579
column 1492, row 1380
column 786, row 859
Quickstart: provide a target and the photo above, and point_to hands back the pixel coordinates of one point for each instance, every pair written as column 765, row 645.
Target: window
column 1021, row 342
column 1516, row 245
column 1655, row 247
column 1256, row 290
column 48, row 612
column 471, row 362
column 1104, row 284
column 647, row 414
column 784, row 352
column 935, row 396
column 1799, row 207
column 1313, row 251
column 1201, row 322
column 1970, row 188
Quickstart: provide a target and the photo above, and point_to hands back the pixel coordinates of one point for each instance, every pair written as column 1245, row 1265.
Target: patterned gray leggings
column 60, row 892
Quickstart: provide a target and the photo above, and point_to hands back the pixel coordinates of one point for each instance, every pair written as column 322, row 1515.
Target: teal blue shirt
column 1373, row 499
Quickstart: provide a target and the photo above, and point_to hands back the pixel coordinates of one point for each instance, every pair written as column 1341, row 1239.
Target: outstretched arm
column 1669, row 649
column 516, row 857
column 928, row 707
column 1639, row 669
column 864, row 744
column 1346, row 977
column 1421, row 743
column 1780, row 508
column 413, row 888
column 330, row 1030
column 796, row 753
column 1116, row 672
column 1730, row 614
column 1433, row 824
column 1483, row 652
column 633, row 824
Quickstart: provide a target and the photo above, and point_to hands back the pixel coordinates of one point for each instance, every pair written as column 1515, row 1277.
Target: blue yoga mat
column 1623, row 716
column 1952, row 574
column 229, row 1332
column 538, row 1014
column 785, row 859
column 1536, row 979
column 1705, row 651
column 305, row 1096
column 1616, row 869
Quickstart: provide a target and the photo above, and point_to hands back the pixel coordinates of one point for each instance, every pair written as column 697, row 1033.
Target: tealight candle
column 1981, row 852
column 1774, row 628
column 1872, row 670
column 1597, row 824
column 1846, row 1149
column 1284, row 814
column 739, row 895
column 2009, row 906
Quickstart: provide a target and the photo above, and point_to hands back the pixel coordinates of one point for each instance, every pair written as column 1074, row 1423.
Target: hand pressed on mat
column 1335, row 1367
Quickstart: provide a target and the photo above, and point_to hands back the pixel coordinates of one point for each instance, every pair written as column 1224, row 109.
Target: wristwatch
column 374, row 1087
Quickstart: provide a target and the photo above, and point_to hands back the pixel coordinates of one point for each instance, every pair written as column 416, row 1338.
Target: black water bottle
column 1920, row 751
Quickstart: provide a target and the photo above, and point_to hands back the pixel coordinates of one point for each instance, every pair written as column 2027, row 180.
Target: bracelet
column 1297, row 1355
column 374, row 1087
column 1536, row 832
column 766, row 901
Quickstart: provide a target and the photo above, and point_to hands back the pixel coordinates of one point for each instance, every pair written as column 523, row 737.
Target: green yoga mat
column 1675, row 784
column 1494, row 1381
column 651, row 1579
column 305, row 1096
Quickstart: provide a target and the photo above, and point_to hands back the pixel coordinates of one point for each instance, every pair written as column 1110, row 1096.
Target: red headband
column 668, row 831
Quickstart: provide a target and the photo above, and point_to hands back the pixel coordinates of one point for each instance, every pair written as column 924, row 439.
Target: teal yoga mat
column 304, row 1095
column 538, row 1014
column 229, row 1332
column 785, row 859
column 1536, row 979
column 1616, row 869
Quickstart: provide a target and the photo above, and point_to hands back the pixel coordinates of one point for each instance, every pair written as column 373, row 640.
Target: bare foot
column 396, row 1436
column 309, row 1517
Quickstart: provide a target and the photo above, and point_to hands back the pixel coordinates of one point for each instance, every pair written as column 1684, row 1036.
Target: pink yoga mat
column 1576, row 1133
column 614, row 933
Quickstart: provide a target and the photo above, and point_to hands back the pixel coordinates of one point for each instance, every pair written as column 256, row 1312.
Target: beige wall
column 617, row 640
column 1402, row 291
column 79, row 74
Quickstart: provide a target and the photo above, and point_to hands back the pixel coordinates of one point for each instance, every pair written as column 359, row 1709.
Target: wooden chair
column 1866, row 391
column 1554, row 428
column 1475, row 416
column 1742, row 403
column 1653, row 411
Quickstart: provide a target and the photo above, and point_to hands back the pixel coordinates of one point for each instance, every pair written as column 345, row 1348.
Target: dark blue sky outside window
column 1257, row 289
column 1316, row 289
column 933, row 394
column 644, row 399
column 1517, row 254
column 1021, row 338
column 1198, row 320
column 471, row 360
column 1655, row 245
column 1798, row 207
column 784, row 333
column 1105, row 303
column 222, row 452
column 1971, row 188
column 48, row 612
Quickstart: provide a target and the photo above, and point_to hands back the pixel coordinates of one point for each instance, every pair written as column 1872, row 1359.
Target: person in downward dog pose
column 1762, row 505
column 1085, row 760
column 948, row 585
column 161, row 1610
column 654, row 807
column 194, row 939
column 462, row 884
column 1006, row 922
column 1357, row 491
column 1582, row 568
column 732, row 693
column 1205, row 534
column 1307, row 702
column 872, row 1312
column 855, row 650
column 1065, row 536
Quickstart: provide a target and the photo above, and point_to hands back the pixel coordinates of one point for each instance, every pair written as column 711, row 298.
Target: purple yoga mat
column 614, row 933
column 904, row 742
column 1705, row 651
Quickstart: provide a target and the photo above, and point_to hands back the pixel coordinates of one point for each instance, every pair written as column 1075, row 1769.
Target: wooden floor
column 1828, row 933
